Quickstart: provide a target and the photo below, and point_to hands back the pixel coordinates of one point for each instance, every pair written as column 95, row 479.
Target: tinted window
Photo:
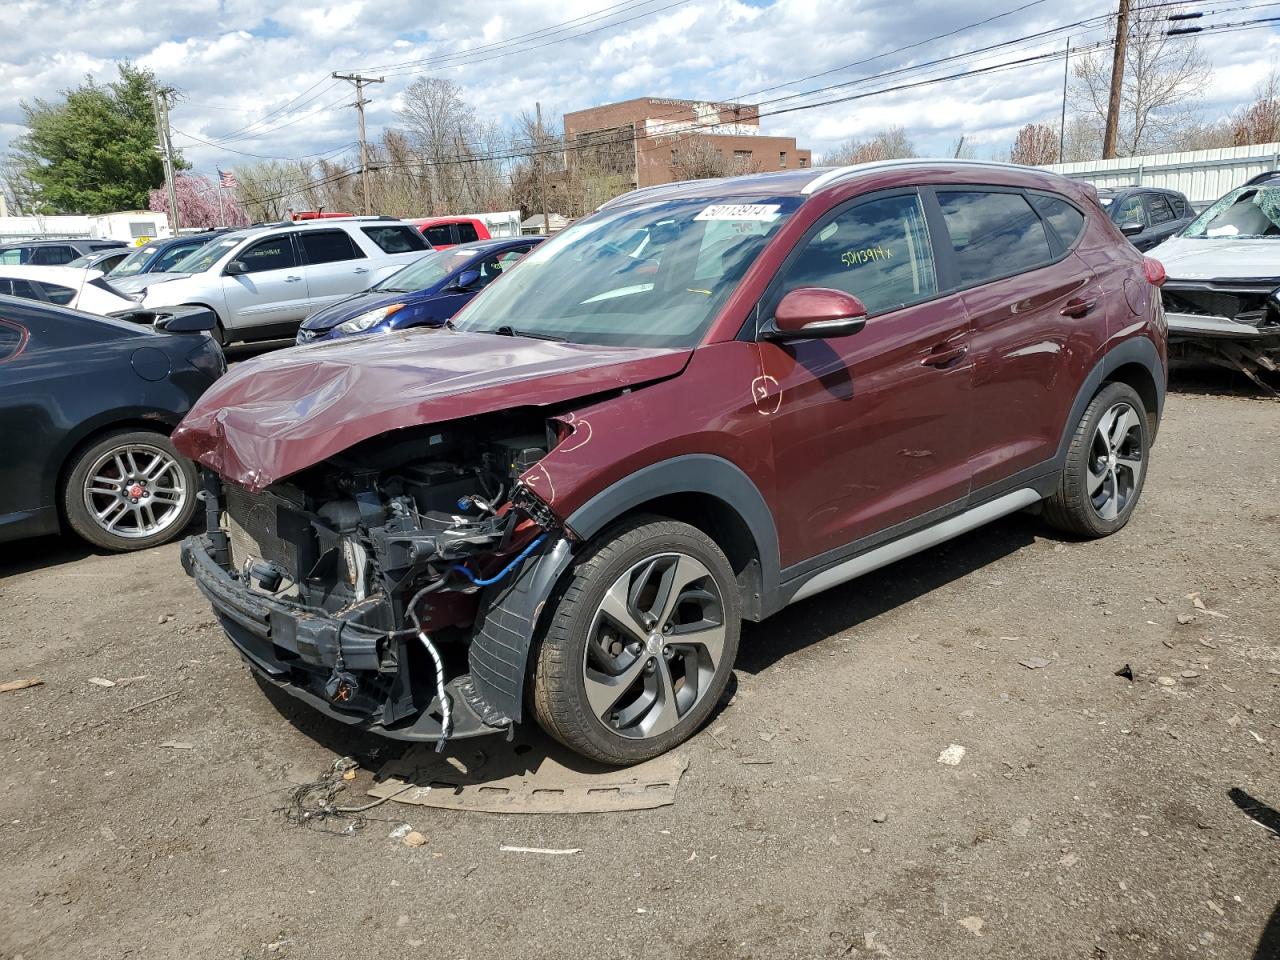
column 1067, row 222
column 438, row 236
column 328, row 246
column 878, row 251
column 1179, row 205
column 399, row 238
column 1131, row 211
column 53, row 255
column 274, row 253
column 103, row 246
column 20, row 288
column 12, row 337
column 1159, row 208
column 171, row 256
column 466, row 232
column 993, row 234
column 56, row 293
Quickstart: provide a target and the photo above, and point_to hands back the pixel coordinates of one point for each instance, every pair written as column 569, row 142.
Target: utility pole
column 1062, row 127
column 360, row 81
column 542, row 182
column 1117, row 81
column 160, row 104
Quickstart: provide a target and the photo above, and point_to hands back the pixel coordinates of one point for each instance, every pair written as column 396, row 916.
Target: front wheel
column 1106, row 465
column 641, row 642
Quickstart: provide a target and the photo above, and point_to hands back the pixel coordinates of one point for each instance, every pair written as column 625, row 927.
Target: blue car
column 424, row 294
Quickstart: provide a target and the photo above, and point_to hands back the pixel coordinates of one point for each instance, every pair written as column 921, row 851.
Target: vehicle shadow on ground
column 26, row 556
column 845, row 607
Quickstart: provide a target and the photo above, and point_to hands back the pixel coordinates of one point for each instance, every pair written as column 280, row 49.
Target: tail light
column 1154, row 270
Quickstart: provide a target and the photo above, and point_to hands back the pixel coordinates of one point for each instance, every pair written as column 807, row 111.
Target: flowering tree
column 199, row 203
column 1036, row 145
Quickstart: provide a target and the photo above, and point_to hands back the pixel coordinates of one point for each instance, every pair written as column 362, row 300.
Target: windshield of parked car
column 426, row 272
column 652, row 276
column 135, row 262
column 1247, row 211
column 200, row 260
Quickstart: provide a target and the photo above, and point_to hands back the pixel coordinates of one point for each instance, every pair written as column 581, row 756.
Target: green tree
column 95, row 151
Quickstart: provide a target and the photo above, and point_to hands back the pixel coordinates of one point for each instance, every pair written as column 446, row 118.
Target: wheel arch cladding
column 707, row 492
column 1135, row 362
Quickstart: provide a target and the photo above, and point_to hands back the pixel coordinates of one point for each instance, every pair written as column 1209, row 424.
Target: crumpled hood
column 1219, row 258
column 285, row 411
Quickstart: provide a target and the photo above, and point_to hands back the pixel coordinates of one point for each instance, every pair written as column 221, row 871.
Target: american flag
column 227, row 180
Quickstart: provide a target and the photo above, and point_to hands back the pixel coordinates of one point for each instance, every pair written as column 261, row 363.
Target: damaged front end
column 357, row 584
column 1230, row 323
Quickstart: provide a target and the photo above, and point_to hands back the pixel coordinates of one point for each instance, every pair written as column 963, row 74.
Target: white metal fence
column 1201, row 175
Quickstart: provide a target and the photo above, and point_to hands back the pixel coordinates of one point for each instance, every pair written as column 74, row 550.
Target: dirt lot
column 1090, row 816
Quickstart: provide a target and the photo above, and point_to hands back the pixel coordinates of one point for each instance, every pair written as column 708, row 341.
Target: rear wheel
column 641, row 642
column 1106, row 465
column 130, row 490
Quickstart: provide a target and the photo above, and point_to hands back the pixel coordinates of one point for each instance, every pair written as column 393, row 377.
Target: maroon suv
column 703, row 403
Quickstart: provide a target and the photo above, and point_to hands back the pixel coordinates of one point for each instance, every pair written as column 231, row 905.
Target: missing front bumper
column 301, row 650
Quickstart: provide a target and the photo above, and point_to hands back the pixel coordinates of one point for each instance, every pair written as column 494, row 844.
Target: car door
column 273, row 288
column 1163, row 220
column 1031, row 304
column 870, row 432
column 334, row 266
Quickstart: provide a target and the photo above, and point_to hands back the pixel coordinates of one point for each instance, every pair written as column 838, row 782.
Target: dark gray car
column 1147, row 215
column 53, row 253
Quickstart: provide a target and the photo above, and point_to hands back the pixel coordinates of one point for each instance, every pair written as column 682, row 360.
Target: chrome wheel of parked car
column 1116, row 464
column 129, row 490
column 640, row 642
column 655, row 643
column 136, row 490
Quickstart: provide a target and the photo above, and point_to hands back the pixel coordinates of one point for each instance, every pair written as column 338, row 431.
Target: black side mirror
column 234, row 269
column 467, row 279
column 186, row 320
column 1132, row 228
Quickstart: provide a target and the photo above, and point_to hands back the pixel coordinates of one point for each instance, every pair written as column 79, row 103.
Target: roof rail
column 1263, row 177
column 836, row 174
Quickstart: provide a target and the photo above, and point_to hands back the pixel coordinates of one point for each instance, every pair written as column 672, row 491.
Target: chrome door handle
column 292, row 279
column 362, row 269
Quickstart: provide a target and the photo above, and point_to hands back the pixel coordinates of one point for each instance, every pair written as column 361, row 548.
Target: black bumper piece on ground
column 300, row 650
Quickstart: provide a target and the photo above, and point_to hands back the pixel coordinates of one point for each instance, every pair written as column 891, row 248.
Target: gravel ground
column 1089, row 816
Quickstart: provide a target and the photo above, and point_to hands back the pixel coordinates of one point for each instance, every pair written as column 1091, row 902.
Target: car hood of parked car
column 1220, row 258
column 142, row 281
column 283, row 412
column 348, row 308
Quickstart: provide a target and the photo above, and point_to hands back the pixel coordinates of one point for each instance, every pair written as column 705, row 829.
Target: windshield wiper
column 506, row 330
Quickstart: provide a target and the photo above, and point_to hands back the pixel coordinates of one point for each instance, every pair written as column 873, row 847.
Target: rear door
column 334, row 266
column 273, row 290
column 1163, row 220
column 870, row 431
column 1033, row 306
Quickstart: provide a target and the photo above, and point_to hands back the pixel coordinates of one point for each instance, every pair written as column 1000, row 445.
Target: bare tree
column 889, row 144
column 699, row 159
column 1035, row 145
column 270, row 189
column 1163, row 77
column 1260, row 121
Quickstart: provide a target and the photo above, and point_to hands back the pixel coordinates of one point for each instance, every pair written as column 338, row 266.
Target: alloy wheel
column 1115, row 461
column 135, row 491
column 655, row 643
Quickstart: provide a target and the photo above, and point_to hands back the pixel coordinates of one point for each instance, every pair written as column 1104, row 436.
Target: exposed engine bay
column 373, row 561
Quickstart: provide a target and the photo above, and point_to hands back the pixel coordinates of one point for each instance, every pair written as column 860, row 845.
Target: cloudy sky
column 255, row 81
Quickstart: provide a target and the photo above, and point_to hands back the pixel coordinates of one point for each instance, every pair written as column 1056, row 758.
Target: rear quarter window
column 396, row 238
column 1063, row 218
column 56, row 293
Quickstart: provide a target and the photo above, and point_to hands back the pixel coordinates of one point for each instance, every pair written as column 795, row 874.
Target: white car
column 264, row 281
column 75, row 287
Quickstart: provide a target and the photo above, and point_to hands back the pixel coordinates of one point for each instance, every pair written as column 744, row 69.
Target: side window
column 439, row 235
column 11, row 258
column 56, row 293
column 878, row 251
column 12, row 337
column 274, row 253
column 1067, row 222
column 328, row 246
column 467, row 232
column 1180, row 206
column 20, row 288
column 1158, row 206
column 396, row 239
column 1132, row 211
column 510, row 257
column 993, row 234
column 53, row 255
column 172, row 256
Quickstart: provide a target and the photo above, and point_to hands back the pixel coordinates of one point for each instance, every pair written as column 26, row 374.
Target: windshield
column 200, row 260
column 135, row 262
column 650, row 276
column 1244, row 212
column 426, row 272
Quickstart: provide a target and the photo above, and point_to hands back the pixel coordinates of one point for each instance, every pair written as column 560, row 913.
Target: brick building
column 650, row 140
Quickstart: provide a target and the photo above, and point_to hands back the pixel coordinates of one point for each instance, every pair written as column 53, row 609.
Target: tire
column 1084, row 504
column 96, row 498
column 602, row 689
